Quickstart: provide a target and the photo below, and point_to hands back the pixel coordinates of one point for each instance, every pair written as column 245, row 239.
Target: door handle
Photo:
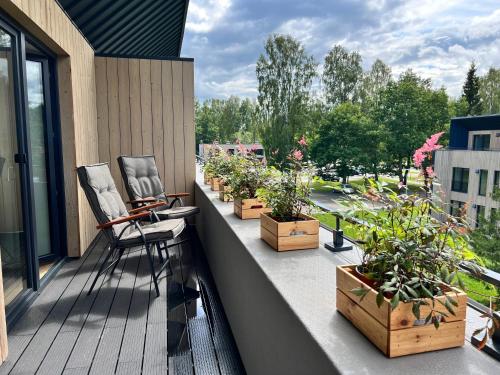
column 20, row 158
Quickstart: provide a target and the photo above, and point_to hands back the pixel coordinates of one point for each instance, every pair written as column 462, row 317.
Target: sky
column 436, row 38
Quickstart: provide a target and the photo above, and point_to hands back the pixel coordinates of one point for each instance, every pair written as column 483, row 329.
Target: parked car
column 347, row 189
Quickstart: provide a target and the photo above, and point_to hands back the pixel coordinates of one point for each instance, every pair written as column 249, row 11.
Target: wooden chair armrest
column 124, row 219
column 146, row 208
column 143, row 200
column 177, row 195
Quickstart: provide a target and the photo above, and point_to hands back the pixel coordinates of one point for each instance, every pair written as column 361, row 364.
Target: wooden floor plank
column 107, row 353
column 132, row 348
column 41, row 342
column 122, row 327
column 88, row 340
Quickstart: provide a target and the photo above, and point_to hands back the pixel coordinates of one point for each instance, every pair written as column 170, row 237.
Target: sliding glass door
column 13, row 244
column 31, row 186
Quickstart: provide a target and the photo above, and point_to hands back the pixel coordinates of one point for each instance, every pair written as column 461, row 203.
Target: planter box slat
column 215, row 184
column 225, row 193
column 249, row 208
column 347, row 282
column 207, row 179
column 403, row 337
column 295, row 235
column 363, row 321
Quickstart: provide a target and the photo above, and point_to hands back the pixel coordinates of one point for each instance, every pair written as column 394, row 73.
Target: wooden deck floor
column 121, row 327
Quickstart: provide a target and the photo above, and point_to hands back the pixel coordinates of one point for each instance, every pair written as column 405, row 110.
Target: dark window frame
column 478, row 142
column 460, row 180
column 483, row 182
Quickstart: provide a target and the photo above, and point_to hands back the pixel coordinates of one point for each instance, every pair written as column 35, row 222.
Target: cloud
column 204, row 15
column 437, row 39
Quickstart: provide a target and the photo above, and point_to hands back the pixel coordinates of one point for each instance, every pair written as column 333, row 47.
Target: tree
column 230, row 121
column 486, row 239
column 374, row 82
column 489, row 91
column 340, row 139
column 342, row 76
column 410, row 110
column 206, row 125
column 471, row 92
column 284, row 73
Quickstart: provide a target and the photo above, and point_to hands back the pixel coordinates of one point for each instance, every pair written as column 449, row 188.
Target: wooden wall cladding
column 146, row 107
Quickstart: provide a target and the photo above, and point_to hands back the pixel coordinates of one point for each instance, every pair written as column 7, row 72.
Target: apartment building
column 469, row 169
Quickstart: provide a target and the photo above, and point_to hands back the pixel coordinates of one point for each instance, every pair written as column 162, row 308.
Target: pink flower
column 302, row 141
column 401, row 185
column 429, row 146
column 419, row 157
column 253, row 148
column 297, row 154
column 430, row 172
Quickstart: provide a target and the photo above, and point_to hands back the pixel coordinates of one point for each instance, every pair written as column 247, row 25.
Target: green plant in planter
column 412, row 247
column 219, row 164
column 287, row 192
column 248, row 174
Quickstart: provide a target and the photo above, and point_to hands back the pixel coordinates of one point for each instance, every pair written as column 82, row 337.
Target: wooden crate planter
column 215, row 184
column 249, row 208
column 394, row 332
column 293, row 235
column 225, row 193
column 207, row 179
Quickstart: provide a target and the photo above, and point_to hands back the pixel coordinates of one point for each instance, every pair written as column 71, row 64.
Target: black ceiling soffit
column 146, row 28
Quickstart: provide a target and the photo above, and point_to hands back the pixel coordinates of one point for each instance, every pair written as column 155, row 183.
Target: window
column 481, row 142
column 480, row 211
column 496, row 179
column 456, row 208
column 460, row 180
column 483, row 181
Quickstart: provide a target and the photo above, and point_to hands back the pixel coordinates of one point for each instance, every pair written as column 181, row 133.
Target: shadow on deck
column 121, row 327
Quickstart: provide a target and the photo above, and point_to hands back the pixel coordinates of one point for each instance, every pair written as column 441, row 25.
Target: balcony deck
column 121, row 327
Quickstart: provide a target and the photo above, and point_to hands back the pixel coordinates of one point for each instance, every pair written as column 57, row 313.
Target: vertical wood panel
column 135, row 106
column 157, row 116
column 150, row 110
column 102, row 108
column 168, row 126
column 189, row 128
column 178, row 110
column 124, row 104
column 146, row 116
column 113, row 119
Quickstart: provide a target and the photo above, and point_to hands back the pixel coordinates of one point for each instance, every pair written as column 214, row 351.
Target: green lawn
column 414, row 186
column 479, row 290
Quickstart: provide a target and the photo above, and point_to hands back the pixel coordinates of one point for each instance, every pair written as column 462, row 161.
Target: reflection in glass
column 12, row 239
column 34, row 80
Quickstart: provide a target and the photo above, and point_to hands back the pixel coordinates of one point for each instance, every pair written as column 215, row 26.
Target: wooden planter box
column 293, row 235
column 397, row 332
column 207, row 179
column 249, row 208
column 215, row 184
column 225, row 193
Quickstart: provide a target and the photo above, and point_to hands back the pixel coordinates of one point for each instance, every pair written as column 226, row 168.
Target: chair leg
column 158, row 248
column 103, row 264
column 153, row 273
column 120, row 254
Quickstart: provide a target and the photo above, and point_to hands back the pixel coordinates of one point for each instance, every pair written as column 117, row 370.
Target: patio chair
column 143, row 185
column 124, row 228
